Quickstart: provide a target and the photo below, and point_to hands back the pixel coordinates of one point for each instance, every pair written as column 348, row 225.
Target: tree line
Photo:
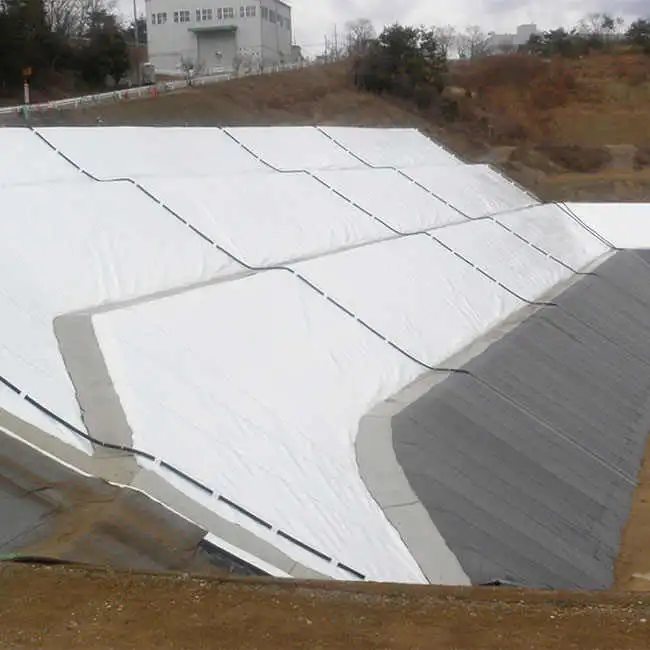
column 412, row 62
column 45, row 40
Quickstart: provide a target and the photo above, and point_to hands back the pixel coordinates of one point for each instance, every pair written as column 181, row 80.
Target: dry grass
column 591, row 102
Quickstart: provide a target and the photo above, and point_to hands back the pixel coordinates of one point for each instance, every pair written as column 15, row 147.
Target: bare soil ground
column 60, row 608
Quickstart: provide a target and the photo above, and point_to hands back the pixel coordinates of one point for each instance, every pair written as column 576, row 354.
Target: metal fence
column 139, row 92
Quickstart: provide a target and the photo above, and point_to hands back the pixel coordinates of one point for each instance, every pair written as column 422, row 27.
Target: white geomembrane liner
column 392, row 198
column 77, row 245
column 414, row 292
column 143, row 152
column 256, row 388
column 505, row 257
column 554, row 231
column 20, row 408
column 624, row 225
column 269, row 218
column 25, row 158
column 294, row 147
column 475, row 190
column 391, row 147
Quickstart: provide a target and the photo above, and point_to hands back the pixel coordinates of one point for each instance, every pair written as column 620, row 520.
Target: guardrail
column 138, row 92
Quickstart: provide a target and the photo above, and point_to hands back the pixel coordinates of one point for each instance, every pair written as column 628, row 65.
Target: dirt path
column 61, row 608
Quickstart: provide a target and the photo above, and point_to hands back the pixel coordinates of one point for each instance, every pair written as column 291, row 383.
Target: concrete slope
column 527, row 465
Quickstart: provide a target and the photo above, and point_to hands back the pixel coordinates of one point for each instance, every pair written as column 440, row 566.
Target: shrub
column 578, row 159
column 405, row 62
column 642, row 157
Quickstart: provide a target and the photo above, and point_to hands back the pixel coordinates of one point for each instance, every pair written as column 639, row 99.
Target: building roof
column 213, row 28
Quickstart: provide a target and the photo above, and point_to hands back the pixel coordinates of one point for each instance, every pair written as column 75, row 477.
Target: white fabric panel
column 18, row 407
column 25, row 158
column 505, row 257
column 392, row 147
column 76, row 245
column 393, row 198
column 414, row 292
column 294, row 147
column 555, row 232
column 268, row 218
column 256, row 387
column 624, row 225
column 141, row 152
column 475, row 190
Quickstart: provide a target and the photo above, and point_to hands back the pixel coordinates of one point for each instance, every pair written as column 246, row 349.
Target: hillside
column 567, row 130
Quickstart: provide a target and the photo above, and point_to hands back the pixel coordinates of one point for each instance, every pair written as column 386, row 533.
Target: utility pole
column 136, row 52
column 336, row 45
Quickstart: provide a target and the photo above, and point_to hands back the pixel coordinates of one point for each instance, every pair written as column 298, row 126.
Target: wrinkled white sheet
column 294, row 147
column 268, row 218
column 505, row 257
column 391, row 147
column 256, row 388
column 475, row 190
column 554, row 231
column 142, row 152
column 414, row 292
column 78, row 245
column 392, row 198
column 624, row 225
column 24, row 158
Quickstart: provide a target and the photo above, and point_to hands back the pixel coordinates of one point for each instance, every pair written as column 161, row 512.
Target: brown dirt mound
column 60, row 608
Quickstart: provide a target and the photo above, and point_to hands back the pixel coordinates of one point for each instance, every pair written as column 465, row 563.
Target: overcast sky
column 314, row 19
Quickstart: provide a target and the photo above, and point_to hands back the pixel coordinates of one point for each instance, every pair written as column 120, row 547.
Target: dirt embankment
column 565, row 129
column 60, row 608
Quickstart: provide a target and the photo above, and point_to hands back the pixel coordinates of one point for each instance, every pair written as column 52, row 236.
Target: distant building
column 253, row 33
column 508, row 42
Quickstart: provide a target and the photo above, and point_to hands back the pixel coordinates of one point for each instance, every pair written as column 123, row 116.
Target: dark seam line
column 311, row 549
column 244, row 511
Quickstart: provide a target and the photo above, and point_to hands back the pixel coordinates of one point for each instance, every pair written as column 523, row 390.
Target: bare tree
column 77, row 17
column 359, row 34
column 472, row 43
column 445, row 37
column 602, row 25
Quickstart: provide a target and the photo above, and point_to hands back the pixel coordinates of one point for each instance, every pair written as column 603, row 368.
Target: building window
column 250, row 11
column 176, row 16
column 287, row 23
column 228, row 12
column 198, row 15
column 272, row 15
column 206, row 14
column 185, row 16
column 219, row 13
column 242, row 12
column 159, row 19
column 153, row 19
column 278, row 17
column 265, row 13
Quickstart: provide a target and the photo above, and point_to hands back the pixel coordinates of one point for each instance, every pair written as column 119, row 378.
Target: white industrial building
column 254, row 34
column 506, row 42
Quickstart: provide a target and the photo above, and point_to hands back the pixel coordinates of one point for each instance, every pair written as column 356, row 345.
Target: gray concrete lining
column 101, row 410
column 528, row 471
column 375, row 452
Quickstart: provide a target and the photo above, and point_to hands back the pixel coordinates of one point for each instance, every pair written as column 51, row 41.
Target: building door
column 216, row 49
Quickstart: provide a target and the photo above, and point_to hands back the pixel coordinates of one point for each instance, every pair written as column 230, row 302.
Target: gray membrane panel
column 528, row 466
